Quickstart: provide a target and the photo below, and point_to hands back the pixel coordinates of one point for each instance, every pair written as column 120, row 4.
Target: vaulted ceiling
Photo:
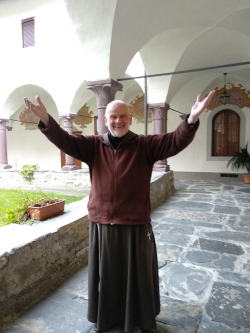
column 99, row 39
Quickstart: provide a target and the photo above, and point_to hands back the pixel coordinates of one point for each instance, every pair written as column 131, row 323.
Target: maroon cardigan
column 120, row 179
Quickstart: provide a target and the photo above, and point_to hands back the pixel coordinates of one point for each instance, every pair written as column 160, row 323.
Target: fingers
column 29, row 105
column 32, row 106
column 209, row 97
column 27, row 102
column 199, row 98
column 39, row 102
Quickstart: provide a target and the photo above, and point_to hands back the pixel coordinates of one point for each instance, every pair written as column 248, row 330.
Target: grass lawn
column 6, row 199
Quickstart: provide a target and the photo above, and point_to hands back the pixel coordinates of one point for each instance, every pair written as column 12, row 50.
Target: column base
column 5, row 166
column 161, row 166
column 69, row 167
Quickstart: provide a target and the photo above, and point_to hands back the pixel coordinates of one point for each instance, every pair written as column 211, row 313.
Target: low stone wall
column 34, row 260
column 161, row 188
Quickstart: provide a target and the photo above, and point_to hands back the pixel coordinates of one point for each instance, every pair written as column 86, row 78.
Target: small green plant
column 28, row 171
column 240, row 160
column 21, row 200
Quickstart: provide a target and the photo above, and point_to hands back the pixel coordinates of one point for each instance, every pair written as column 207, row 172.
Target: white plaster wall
column 31, row 147
column 194, row 157
column 44, row 64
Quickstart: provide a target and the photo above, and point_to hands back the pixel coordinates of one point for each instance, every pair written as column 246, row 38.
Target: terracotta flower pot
column 246, row 179
column 43, row 212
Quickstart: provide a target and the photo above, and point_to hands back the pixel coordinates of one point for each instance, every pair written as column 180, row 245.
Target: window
column 28, row 31
column 225, row 133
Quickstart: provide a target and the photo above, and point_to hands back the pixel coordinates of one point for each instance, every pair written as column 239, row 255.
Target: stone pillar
column 105, row 91
column 159, row 119
column 68, row 126
column 3, row 145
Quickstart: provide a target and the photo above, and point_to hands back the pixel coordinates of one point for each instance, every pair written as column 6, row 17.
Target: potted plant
column 241, row 160
column 28, row 206
column 46, row 208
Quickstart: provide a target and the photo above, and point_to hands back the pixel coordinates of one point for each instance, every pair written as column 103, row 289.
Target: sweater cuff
column 193, row 125
column 41, row 125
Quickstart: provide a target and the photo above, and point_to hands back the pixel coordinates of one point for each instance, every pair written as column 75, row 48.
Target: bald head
column 115, row 103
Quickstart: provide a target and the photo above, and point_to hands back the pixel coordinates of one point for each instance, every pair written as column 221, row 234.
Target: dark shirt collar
column 114, row 140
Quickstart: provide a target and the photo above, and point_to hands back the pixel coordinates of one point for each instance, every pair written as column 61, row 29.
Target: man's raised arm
column 39, row 110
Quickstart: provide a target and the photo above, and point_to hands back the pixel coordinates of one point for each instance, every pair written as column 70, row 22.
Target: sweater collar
column 128, row 138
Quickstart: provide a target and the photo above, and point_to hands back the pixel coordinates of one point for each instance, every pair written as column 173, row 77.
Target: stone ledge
column 35, row 260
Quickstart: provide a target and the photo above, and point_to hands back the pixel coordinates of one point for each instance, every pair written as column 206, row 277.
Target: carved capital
column 3, row 123
column 68, row 121
column 104, row 90
column 159, row 110
column 69, row 116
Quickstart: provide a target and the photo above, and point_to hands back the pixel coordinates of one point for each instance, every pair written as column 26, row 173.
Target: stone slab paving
column 203, row 237
column 203, row 243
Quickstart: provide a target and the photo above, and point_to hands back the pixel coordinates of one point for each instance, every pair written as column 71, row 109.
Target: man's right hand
column 39, row 110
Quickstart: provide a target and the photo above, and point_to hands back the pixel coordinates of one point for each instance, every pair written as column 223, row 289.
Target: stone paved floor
column 203, row 242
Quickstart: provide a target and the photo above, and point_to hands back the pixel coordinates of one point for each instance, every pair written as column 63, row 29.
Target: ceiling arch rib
column 137, row 22
column 213, row 47
column 237, row 21
column 93, row 23
column 161, row 55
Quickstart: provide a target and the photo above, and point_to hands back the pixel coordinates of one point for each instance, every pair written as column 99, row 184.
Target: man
column 123, row 272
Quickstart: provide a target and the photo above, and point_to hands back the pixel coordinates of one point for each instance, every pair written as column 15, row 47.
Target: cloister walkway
column 203, row 243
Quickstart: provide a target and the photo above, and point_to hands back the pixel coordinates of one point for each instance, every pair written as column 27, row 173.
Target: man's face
column 118, row 119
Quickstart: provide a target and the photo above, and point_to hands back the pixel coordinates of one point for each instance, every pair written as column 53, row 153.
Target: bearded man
column 122, row 269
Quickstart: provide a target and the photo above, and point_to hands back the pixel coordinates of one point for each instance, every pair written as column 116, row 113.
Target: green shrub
column 28, row 171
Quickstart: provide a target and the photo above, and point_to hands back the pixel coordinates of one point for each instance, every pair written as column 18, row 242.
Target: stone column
column 68, row 126
column 159, row 118
column 105, row 91
column 3, row 145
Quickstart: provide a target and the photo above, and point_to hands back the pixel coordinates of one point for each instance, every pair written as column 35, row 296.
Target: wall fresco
column 29, row 120
column 136, row 108
column 238, row 96
column 85, row 116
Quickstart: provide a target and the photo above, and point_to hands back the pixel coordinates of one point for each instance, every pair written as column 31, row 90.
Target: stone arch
column 15, row 102
column 27, row 145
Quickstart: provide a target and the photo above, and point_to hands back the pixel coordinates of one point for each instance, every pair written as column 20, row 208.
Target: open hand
column 39, row 110
column 199, row 106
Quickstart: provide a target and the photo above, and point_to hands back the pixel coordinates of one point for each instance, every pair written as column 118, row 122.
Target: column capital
column 159, row 110
column 3, row 122
column 68, row 115
column 105, row 90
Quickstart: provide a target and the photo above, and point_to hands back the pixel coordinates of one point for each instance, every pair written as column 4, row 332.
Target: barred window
column 28, row 31
column 225, row 133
